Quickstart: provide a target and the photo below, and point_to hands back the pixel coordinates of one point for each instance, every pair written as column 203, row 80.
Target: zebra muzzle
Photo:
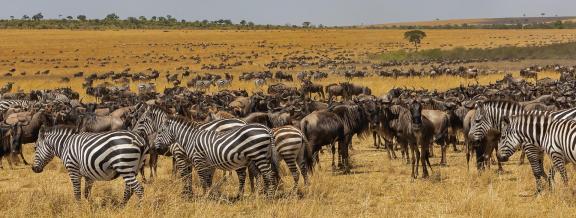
column 37, row 169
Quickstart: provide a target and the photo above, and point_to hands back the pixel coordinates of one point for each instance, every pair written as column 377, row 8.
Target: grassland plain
column 377, row 186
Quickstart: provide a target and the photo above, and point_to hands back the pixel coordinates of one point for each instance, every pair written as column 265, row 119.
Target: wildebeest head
column 416, row 112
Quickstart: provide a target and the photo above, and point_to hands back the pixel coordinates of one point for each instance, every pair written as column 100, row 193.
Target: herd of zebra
column 252, row 134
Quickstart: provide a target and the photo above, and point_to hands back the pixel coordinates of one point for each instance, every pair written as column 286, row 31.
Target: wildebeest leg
column 153, row 164
column 333, row 149
column 376, row 139
column 444, row 148
column 344, row 153
column 424, row 160
column 522, row 157
column 22, row 156
column 414, row 161
column 390, row 147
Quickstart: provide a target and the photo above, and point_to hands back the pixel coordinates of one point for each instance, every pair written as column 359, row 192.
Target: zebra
column 223, row 83
column 232, row 150
column 489, row 116
column 259, row 83
column 6, row 104
column 151, row 120
column 292, row 147
column 94, row 156
column 537, row 133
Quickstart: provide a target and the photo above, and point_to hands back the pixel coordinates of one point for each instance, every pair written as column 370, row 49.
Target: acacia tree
column 415, row 37
column 38, row 17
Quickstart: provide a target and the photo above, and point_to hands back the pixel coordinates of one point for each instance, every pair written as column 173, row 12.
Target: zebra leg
column 205, row 173
column 186, row 176
column 559, row 164
column 535, row 159
column 241, row 181
column 76, row 183
column 293, row 166
column 131, row 185
column 88, row 187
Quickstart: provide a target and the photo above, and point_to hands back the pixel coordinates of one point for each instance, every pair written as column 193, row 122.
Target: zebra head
column 165, row 137
column 509, row 140
column 480, row 124
column 143, row 126
column 44, row 151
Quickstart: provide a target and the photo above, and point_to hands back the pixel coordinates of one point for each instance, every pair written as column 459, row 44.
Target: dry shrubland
column 377, row 185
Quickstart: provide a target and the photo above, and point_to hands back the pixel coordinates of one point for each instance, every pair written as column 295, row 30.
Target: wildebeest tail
column 308, row 155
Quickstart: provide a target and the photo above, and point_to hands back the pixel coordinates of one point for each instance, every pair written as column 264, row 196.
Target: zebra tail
column 274, row 157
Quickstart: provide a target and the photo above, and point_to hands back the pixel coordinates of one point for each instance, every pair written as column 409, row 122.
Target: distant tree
column 558, row 24
column 243, row 22
column 69, row 17
column 250, row 24
column 81, row 17
column 11, row 17
column 38, row 16
column 112, row 17
column 153, row 18
column 306, row 24
column 542, row 14
column 415, row 37
column 25, row 17
column 142, row 18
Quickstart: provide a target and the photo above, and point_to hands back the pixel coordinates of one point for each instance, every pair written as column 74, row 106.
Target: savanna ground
column 377, row 185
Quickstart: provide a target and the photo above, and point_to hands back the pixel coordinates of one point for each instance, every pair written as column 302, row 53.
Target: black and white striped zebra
column 490, row 114
column 231, row 150
column 6, row 104
column 93, row 156
column 151, row 120
column 293, row 148
column 537, row 133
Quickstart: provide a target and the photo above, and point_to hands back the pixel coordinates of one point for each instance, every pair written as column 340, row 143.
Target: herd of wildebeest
column 300, row 121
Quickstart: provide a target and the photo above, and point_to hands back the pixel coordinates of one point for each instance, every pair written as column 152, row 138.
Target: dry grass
column 377, row 186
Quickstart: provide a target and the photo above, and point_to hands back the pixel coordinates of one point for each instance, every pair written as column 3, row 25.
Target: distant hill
column 482, row 21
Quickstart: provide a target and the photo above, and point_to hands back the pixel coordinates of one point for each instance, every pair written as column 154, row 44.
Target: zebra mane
column 154, row 107
column 60, row 129
column 501, row 103
column 184, row 120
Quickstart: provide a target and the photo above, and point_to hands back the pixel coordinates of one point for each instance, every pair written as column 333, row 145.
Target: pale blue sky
column 327, row 12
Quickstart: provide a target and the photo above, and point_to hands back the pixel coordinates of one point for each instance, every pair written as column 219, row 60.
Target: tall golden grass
column 377, row 186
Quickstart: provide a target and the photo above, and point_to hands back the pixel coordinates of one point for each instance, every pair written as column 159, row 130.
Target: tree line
column 113, row 21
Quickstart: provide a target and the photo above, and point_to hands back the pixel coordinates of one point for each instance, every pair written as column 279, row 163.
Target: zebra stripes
column 93, row 156
column 537, row 133
column 232, row 150
column 489, row 115
column 6, row 104
column 151, row 120
column 292, row 147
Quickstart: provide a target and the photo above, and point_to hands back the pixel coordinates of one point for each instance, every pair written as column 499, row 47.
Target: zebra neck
column 62, row 146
